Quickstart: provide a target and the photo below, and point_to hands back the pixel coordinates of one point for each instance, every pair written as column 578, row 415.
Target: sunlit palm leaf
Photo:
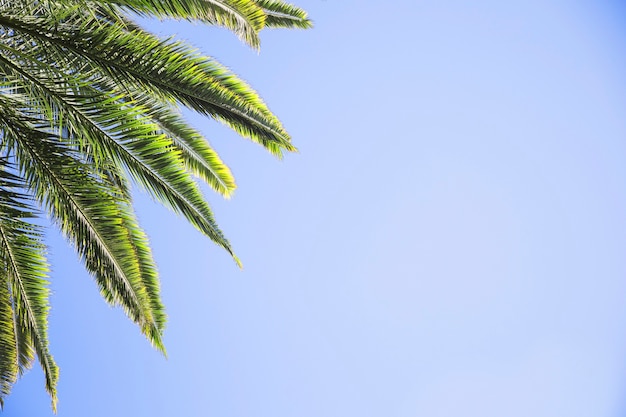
column 197, row 154
column 24, row 285
column 8, row 346
column 166, row 70
column 244, row 17
column 89, row 216
column 87, row 103
column 112, row 129
column 280, row 14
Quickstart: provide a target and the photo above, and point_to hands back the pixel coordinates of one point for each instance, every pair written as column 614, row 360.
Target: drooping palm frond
column 21, row 248
column 113, row 130
column 88, row 214
column 8, row 343
column 140, row 63
column 244, row 17
column 197, row 154
column 88, row 104
column 279, row 14
column 23, row 289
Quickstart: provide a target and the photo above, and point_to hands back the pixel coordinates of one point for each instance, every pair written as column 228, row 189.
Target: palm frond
column 21, row 249
column 166, row 70
column 89, row 216
column 110, row 128
column 244, row 17
column 24, row 285
column 8, row 342
column 198, row 156
column 279, row 14
column 88, row 103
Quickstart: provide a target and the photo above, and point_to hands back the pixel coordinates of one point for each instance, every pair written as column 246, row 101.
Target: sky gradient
column 449, row 241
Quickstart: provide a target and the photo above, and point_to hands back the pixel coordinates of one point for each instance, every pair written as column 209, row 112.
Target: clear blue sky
column 450, row 240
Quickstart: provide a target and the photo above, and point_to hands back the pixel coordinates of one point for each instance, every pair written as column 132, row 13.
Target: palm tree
column 88, row 103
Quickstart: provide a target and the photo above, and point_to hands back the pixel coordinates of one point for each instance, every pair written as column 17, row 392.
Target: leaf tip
column 238, row 261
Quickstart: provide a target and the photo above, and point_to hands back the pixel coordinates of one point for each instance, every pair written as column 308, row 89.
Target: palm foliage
column 88, row 103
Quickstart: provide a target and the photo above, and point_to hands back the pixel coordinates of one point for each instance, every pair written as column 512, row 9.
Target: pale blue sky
column 448, row 242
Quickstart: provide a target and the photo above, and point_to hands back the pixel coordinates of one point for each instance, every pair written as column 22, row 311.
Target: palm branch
column 88, row 104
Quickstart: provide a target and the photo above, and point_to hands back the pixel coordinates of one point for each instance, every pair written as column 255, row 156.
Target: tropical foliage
column 88, row 103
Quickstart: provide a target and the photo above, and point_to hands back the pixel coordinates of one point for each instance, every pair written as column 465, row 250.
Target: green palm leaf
column 279, row 14
column 22, row 251
column 88, row 214
column 8, row 344
column 244, row 17
column 163, row 70
column 110, row 128
column 23, row 290
column 88, row 104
